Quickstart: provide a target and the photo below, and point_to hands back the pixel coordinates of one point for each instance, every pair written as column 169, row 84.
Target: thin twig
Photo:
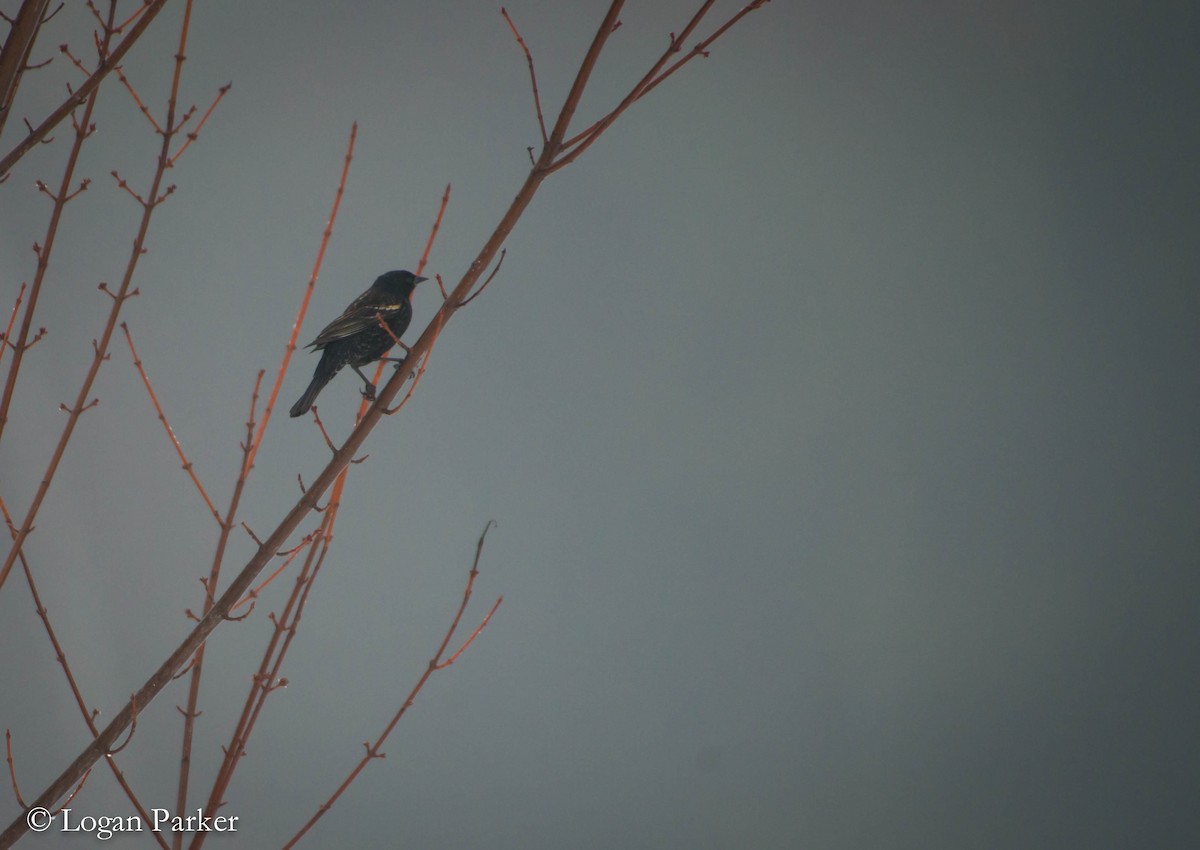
column 701, row 48
column 12, row 769
column 537, row 101
column 308, row 291
column 145, row 110
column 433, row 231
column 187, row 464
column 435, row 664
column 12, row 318
column 479, row 291
column 194, row 134
column 412, row 388
column 287, row 562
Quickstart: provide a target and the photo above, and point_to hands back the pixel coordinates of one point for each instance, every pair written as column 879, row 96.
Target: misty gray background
column 838, row 411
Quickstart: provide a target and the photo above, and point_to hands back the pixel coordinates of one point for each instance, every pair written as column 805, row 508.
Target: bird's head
column 399, row 283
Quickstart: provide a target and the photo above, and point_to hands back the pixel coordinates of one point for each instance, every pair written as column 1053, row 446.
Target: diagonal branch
column 606, row 28
column 188, row 467
column 84, row 91
column 15, row 55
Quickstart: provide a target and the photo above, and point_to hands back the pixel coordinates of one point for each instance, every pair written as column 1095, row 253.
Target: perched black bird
column 356, row 338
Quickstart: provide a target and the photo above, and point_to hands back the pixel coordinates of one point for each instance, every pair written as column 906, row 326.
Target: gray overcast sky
column 838, row 411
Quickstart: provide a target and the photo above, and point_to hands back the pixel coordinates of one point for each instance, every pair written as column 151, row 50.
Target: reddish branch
column 437, row 662
column 214, row 575
column 12, row 775
column 194, row 134
column 267, row 679
column 145, row 16
column 12, row 318
column 162, row 417
column 89, row 715
column 308, row 291
column 153, row 198
column 553, row 156
column 83, row 129
column 580, row 142
column 537, row 100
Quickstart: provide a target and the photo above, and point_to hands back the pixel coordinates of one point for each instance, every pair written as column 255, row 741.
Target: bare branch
column 145, row 15
column 136, row 98
column 194, row 134
column 12, row 769
column 308, row 291
column 188, row 467
column 537, row 101
column 435, row 664
column 12, row 318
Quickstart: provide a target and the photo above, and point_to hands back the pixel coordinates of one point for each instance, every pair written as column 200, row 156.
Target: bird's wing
column 358, row 317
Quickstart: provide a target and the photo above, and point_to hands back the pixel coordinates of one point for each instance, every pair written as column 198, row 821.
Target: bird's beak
column 420, row 279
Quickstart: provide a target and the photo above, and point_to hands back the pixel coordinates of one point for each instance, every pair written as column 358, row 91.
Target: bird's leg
column 369, row 390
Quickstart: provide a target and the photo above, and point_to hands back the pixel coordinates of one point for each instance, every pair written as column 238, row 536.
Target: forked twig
column 435, row 663
column 141, row 105
column 577, row 144
column 194, row 134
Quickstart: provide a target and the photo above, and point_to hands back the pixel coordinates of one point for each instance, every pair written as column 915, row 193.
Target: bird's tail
column 322, row 376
